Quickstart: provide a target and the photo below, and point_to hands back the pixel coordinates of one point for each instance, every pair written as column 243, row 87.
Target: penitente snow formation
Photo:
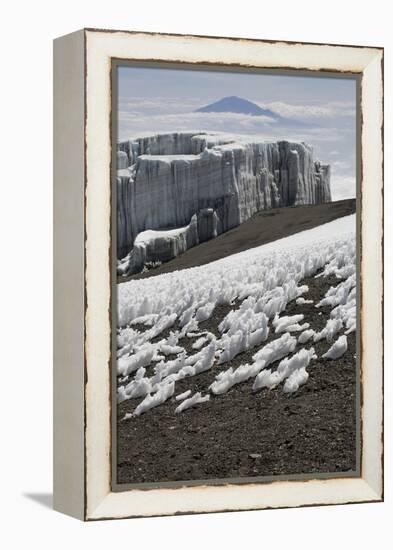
column 177, row 190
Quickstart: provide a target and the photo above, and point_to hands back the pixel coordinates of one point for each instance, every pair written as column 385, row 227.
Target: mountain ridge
column 235, row 104
column 239, row 105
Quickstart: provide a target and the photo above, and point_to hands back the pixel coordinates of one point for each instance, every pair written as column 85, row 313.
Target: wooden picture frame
column 83, row 273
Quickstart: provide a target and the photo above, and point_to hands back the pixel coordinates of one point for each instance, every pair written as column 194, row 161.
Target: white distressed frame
column 100, row 47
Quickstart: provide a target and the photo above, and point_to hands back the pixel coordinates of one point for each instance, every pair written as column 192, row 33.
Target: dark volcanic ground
column 264, row 227
column 246, row 434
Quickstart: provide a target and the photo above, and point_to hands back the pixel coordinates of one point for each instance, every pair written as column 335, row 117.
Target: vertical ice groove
column 205, row 185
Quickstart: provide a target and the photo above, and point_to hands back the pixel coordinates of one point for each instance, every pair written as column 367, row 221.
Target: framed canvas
column 218, row 330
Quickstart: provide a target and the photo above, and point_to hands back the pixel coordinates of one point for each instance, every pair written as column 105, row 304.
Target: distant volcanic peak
column 234, row 104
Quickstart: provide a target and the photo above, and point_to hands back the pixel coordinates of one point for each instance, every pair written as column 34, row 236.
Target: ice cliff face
column 165, row 180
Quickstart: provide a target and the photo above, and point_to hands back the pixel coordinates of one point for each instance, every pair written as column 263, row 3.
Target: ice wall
column 164, row 180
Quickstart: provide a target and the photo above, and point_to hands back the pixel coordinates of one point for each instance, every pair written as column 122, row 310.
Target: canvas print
column 235, row 350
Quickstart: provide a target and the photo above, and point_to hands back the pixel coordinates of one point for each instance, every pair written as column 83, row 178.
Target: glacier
column 177, row 190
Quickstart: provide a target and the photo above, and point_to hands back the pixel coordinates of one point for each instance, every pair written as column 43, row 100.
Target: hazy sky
column 153, row 100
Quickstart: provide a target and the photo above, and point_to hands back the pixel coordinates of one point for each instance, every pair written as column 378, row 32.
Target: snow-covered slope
column 165, row 180
column 257, row 284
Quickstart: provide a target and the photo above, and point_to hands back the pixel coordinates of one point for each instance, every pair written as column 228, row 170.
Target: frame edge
column 68, row 271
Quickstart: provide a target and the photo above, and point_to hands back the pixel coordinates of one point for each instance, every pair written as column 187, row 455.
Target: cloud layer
column 311, row 112
column 330, row 127
column 343, row 187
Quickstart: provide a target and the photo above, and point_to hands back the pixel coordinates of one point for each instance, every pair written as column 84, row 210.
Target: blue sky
column 153, row 100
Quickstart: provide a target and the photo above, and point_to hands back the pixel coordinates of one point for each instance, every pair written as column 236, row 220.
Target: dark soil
column 264, row 227
column 246, row 434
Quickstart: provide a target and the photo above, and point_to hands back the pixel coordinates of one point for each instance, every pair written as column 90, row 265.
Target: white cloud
column 171, row 105
column 341, row 165
column 132, row 124
column 158, row 105
column 311, row 112
column 343, row 187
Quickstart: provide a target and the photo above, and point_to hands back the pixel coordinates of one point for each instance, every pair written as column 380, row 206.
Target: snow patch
column 329, row 331
column 286, row 368
column 281, row 324
column 305, row 336
column 301, row 301
column 183, row 395
column 191, row 402
column 338, row 349
column 164, row 392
